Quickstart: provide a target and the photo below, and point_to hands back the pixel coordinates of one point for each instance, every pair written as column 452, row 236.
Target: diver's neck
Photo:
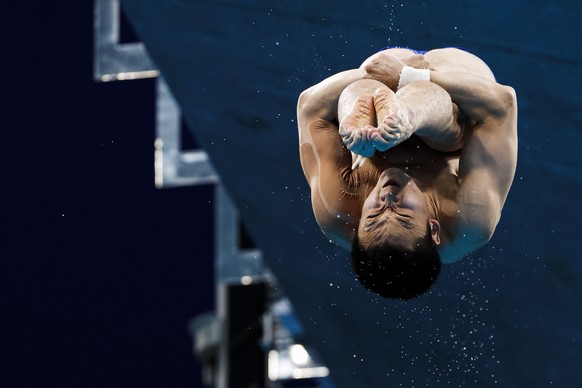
column 433, row 205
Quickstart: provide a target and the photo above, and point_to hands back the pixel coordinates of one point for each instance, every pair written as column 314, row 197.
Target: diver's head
column 395, row 251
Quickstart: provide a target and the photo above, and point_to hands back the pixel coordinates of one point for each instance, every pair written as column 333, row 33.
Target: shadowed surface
column 236, row 69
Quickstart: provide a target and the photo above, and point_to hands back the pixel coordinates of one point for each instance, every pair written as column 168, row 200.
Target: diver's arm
column 480, row 98
column 489, row 157
column 317, row 110
column 324, row 157
column 321, row 100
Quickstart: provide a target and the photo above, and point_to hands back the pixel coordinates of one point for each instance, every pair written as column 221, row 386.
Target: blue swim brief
column 422, row 52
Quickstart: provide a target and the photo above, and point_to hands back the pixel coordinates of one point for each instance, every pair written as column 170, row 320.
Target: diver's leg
column 454, row 59
column 420, row 108
column 431, row 114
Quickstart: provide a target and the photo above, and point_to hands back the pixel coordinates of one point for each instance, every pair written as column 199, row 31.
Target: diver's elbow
column 304, row 98
column 308, row 106
column 507, row 98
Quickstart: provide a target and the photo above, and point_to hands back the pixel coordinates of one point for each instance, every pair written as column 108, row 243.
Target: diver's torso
column 434, row 172
column 431, row 170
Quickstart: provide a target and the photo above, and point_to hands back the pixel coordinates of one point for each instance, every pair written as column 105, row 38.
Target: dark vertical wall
column 99, row 270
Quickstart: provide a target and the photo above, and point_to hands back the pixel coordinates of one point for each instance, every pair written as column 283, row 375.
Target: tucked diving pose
column 409, row 158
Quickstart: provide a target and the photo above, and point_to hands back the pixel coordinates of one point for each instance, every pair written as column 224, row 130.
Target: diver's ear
column 435, row 231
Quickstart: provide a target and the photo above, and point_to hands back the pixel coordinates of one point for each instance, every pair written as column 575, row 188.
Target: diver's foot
column 395, row 126
column 356, row 125
column 361, row 114
column 385, row 102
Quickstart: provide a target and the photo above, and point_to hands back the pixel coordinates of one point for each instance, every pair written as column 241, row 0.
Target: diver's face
column 396, row 211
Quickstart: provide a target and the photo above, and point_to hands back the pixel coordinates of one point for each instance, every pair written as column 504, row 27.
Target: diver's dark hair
column 393, row 272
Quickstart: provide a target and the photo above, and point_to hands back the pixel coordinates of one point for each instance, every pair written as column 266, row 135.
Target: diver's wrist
column 410, row 74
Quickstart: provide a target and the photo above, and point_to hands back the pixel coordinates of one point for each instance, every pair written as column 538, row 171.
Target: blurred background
column 101, row 271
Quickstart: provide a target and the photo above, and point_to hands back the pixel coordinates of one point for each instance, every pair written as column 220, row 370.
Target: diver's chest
column 422, row 160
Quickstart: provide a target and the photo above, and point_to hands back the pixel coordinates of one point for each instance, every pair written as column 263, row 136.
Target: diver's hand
column 418, row 61
column 383, row 67
column 386, row 68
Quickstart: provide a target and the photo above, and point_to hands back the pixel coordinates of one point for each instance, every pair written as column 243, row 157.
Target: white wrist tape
column 410, row 74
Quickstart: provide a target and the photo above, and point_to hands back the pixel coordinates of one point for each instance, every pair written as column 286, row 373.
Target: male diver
column 440, row 148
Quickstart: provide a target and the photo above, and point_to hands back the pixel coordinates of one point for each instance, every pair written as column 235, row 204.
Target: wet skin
column 396, row 211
